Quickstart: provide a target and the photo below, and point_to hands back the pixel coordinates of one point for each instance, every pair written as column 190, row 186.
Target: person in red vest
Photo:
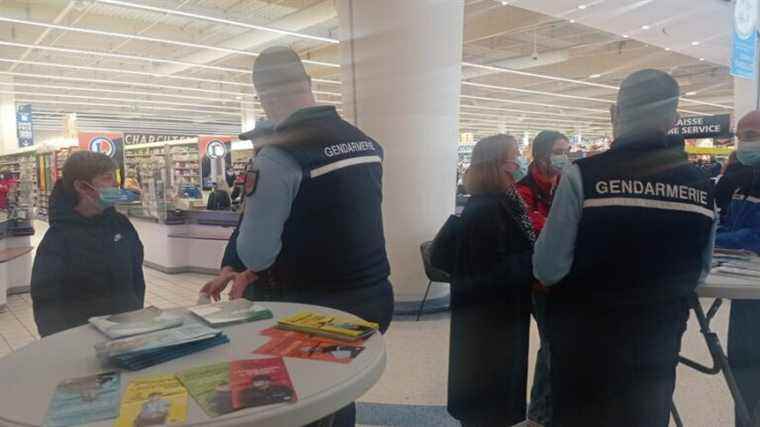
column 6, row 182
column 550, row 151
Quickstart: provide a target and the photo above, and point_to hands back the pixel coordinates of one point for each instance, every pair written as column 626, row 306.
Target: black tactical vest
column 646, row 220
column 334, row 236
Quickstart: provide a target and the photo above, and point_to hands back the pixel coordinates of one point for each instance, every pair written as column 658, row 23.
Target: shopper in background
column 733, row 176
column 219, row 198
column 312, row 231
column 629, row 237
column 550, row 157
column 490, row 292
column 90, row 261
column 740, row 229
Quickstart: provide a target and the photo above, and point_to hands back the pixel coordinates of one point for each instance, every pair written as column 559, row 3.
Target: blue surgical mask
column 110, row 196
column 522, row 169
column 559, row 161
column 749, row 153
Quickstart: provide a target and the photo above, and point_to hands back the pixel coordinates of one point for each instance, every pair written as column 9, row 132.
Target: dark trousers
column 744, row 351
column 614, row 366
column 372, row 303
column 540, row 409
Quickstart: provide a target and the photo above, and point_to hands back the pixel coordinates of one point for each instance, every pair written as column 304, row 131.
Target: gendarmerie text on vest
column 657, row 189
column 348, row 147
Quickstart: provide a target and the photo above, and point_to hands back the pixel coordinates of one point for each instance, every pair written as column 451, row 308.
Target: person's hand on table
column 215, row 287
column 241, row 282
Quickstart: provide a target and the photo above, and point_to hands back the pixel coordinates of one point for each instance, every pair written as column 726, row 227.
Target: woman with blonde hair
column 490, row 292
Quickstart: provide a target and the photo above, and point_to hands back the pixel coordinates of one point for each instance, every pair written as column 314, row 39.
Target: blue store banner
column 24, row 130
column 744, row 39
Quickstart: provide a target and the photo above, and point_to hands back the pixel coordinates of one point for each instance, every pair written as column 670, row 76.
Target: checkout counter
column 186, row 241
column 16, row 257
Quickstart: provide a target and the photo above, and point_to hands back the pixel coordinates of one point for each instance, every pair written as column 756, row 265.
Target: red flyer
column 303, row 346
column 260, row 382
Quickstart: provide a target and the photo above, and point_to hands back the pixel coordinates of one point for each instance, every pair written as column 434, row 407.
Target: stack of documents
column 142, row 351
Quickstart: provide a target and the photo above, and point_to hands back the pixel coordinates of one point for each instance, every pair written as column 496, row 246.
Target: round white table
column 29, row 376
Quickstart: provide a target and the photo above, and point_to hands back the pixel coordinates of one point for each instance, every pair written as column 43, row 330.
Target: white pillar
column 8, row 139
column 401, row 85
column 745, row 97
column 247, row 117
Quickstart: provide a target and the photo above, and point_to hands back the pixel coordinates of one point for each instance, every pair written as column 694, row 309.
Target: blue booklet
column 85, row 400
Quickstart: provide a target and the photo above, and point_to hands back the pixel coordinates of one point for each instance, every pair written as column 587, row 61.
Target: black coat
column 85, row 267
column 218, row 200
column 490, row 314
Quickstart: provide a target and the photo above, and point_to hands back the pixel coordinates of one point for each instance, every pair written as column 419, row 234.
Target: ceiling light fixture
column 572, row 21
column 582, row 6
column 701, row 59
column 692, row 93
column 538, row 92
column 217, row 20
column 645, row 27
column 582, row 82
column 695, row 43
column 150, row 39
column 625, row 36
column 595, row 76
column 667, row 49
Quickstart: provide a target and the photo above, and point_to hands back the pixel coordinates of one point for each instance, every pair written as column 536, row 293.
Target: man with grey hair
column 629, row 237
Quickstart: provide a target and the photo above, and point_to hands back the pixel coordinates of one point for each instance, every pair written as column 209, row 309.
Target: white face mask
column 559, row 161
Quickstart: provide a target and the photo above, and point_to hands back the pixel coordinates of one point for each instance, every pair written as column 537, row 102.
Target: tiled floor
column 412, row 392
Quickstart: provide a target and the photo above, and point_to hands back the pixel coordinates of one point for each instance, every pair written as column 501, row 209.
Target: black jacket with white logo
column 85, row 267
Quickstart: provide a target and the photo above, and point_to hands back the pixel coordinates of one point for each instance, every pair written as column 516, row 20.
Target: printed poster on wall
column 216, row 158
column 24, row 129
column 108, row 143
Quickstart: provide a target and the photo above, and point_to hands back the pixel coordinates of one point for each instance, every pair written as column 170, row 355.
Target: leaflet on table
column 188, row 332
column 226, row 312
column 337, row 327
column 84, row 400
column 147, row 358
column 302, row 346
column 137, row 322
column 260, row 382
column 210, row 387
column 732, row 271
column 153, row 401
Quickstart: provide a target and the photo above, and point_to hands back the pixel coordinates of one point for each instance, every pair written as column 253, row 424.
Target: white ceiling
column 673, row 24
column 185, row 64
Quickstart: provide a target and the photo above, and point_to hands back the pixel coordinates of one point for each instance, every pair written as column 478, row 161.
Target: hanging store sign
column 149, row 138
column 109, row 143
column 24, row 129
column 703, row 127
column 744, row 39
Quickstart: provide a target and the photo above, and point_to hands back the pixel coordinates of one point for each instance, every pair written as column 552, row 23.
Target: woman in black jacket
column 90, row 261
column 490, row 292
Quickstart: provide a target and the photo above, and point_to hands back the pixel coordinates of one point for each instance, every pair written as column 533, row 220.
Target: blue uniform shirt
column 555, row 249
column 267, row 209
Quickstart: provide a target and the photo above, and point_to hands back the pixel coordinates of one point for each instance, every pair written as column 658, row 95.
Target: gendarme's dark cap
column 648, row 92
column 277, row 66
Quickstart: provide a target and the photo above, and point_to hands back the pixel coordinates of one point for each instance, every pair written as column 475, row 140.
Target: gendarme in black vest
column 646, row 220
column 334, row 236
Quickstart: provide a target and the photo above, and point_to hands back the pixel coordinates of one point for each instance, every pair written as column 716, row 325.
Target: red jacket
column 537, row 191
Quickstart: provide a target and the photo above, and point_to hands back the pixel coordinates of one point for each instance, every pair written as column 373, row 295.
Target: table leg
column 720, row 361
